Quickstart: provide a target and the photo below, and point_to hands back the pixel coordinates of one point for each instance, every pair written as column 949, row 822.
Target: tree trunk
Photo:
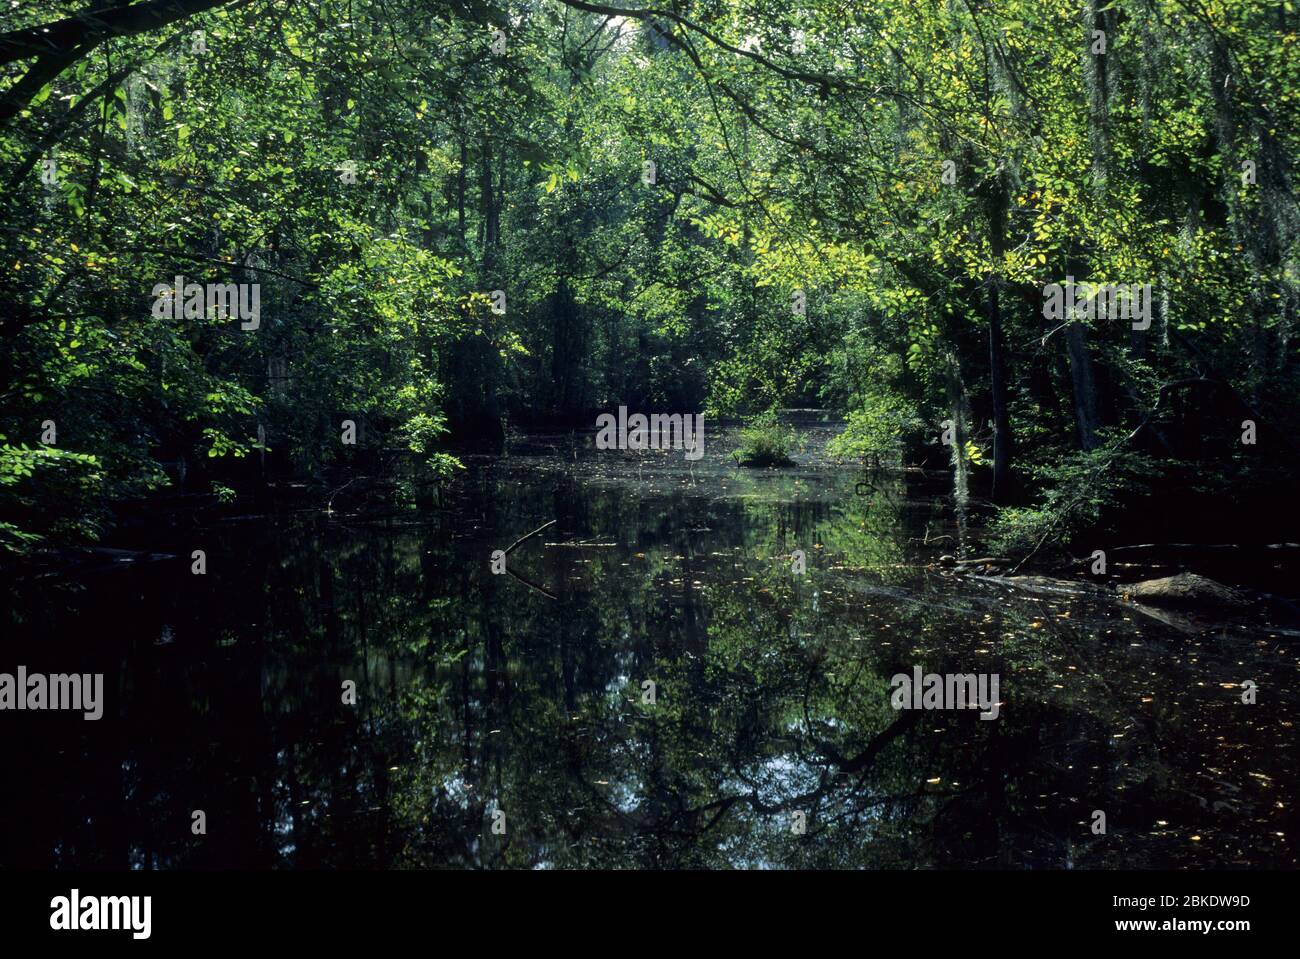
column 491, row 214
column 460, row 190
column 1001, row 492
column 1085, row 390
column 997, row 214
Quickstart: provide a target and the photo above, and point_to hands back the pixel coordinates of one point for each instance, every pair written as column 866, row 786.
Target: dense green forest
column 470, row 216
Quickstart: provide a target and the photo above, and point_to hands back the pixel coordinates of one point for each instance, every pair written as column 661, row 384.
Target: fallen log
column 1187, row 591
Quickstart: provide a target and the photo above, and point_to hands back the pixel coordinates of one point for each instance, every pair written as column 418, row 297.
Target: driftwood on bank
column 1043, row 585
column 1186, row 591
column 1183, row 591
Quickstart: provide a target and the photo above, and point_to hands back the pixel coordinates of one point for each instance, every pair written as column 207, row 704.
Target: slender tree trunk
column 491, row 222
column 460, row 190
column 1085, row 390
column 957, row 410
column 1001, row 492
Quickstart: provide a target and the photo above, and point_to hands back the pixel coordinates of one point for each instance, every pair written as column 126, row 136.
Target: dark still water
column 487, row 699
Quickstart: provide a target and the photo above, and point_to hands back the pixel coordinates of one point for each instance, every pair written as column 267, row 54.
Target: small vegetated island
column 765, row 441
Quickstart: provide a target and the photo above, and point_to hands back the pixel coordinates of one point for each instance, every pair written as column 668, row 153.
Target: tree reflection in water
column 478, row 692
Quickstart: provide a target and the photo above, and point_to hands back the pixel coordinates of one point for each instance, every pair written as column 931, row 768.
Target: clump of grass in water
column 764, row 441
